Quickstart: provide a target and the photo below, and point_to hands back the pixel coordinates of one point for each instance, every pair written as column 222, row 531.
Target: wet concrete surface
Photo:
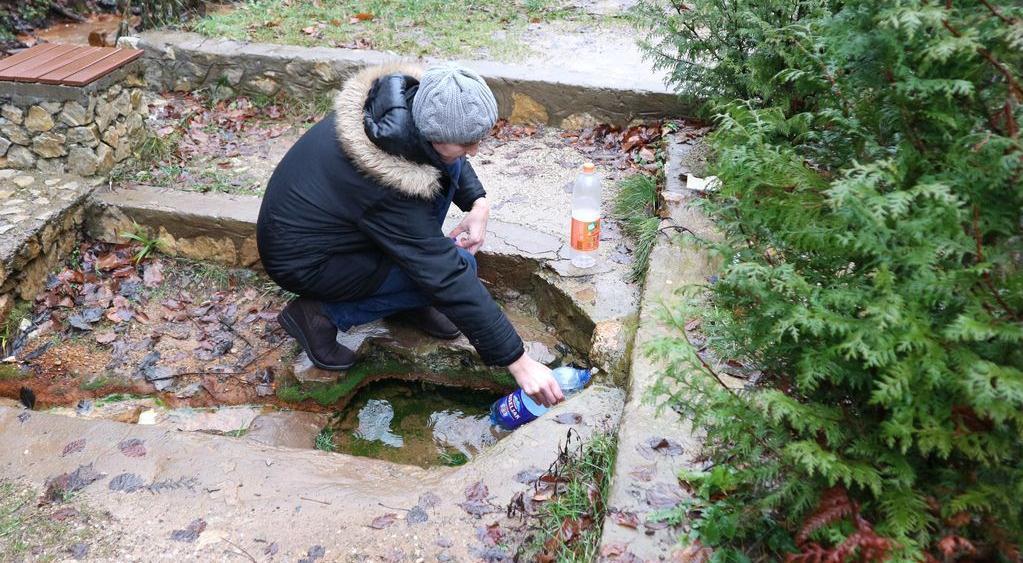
column 260, row 500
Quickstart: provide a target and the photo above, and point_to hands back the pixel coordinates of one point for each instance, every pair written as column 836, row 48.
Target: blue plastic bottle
column 516, row 409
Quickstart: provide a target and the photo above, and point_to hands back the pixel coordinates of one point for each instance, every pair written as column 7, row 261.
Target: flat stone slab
column 654, row 445
column 29, row 200
column 187, row 61
column 155, row 482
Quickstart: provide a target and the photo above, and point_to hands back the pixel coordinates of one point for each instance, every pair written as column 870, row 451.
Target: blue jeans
column 397, row 292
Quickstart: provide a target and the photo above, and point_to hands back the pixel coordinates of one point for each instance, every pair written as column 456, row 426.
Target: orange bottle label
column 585, row 235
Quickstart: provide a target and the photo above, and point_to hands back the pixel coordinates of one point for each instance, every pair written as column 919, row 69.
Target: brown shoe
column 429, row 320
column 304, row 320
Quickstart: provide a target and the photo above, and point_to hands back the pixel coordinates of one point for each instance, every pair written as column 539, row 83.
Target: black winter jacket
column 354, row 196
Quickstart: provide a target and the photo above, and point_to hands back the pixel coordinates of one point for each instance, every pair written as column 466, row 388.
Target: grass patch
column 95, row 383
column 453, row 459
column 27, row 531
column 10, row 371
column 581, row 507
column 9, row 329
column 410, row 27
column 325, row 440
column 635, row 206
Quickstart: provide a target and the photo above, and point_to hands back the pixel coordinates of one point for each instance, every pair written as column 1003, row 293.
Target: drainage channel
column 120, row 333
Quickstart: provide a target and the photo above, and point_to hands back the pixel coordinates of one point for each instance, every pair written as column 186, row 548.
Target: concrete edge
column 186, row 61
column 643, row 473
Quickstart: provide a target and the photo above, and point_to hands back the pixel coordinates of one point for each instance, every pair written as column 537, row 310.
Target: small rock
column 190, row 390
column 23, row 181
column 12, row 113
column 75, row 115
column 87, row 135
column 49, row 145
column 20, row 157
column 38, row 119
column 16, row 134
column 540, row 352
column 79, row 551
column 4, row 145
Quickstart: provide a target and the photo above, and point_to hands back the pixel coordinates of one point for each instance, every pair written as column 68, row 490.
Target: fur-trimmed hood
column 410, row 178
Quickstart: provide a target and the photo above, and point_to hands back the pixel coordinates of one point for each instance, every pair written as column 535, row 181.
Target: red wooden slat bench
column 71, row 108
column 68, row 65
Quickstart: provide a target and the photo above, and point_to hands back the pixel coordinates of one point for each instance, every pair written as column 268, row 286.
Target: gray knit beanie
column 453, row 105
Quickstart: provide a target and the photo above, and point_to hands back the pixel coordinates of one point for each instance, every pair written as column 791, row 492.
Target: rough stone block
column 51, row 166
column 16, row 134
column 122, row 104
column 50, row 107
column 199, row 248
column 264, row 85
column 112, row 135
column 527, row 111
column 49, row 144
column 6, row 304
column 578, row 121
column 233, row 75
column 75, row 115
column 4, row 145
column 136, row 99
column 38, row 119
column 104, row 158
column 88, row 135
column 12, row 113
column 82, row 161
column 20, row 157
column 105, row 113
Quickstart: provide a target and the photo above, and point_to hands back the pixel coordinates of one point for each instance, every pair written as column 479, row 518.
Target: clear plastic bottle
column 585, row 236
column 516, row 409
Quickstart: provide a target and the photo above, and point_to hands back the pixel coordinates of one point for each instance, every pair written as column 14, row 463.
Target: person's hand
column 536, row 380
column 474, row 226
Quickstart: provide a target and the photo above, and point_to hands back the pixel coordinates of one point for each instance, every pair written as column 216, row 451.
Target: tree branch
column 999, row 15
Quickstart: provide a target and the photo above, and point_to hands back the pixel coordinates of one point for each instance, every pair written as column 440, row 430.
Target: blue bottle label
column 512, row 412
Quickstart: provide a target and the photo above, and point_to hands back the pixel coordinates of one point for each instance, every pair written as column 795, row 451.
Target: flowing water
column 416, row 423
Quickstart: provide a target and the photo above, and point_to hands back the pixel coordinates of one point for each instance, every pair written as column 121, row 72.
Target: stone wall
column 41, row 219
column 186, row 61
column 58, row 129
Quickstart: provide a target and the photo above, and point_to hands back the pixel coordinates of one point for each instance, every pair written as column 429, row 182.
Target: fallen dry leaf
column 381, row 522
column 153, row 275
column 569, row 418
column 625, row 518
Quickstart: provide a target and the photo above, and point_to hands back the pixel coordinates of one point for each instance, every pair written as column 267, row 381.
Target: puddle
column 416, row 424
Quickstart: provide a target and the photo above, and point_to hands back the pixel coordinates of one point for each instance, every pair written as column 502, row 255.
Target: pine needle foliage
column 872, row 213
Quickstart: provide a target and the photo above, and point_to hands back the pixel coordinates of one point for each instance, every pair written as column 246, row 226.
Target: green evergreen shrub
column 872, row 212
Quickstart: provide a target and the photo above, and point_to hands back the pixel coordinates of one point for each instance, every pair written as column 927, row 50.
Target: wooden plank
column 23, row 71
column 58, row 76
column 26, row 54
column 62, row 61
column 102, row 67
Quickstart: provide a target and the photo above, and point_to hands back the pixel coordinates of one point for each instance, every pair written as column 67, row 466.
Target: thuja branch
column 1014, row 88
column 986, row 276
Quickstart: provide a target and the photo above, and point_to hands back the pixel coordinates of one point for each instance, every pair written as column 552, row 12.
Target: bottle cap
column 589, row 168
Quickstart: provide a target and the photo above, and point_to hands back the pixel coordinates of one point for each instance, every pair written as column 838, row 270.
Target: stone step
column 552, row 93
column 590, row 310
column 148, row 481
